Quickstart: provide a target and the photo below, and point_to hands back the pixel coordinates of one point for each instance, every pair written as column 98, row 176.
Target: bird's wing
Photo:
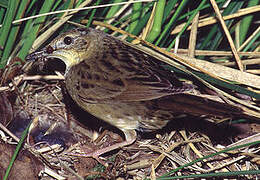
column 126, row 75
column 150, row 85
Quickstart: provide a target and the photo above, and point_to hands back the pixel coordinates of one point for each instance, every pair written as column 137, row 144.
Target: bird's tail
column 202, row 106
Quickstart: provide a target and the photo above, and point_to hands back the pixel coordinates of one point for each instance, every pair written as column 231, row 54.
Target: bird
column 123, row 86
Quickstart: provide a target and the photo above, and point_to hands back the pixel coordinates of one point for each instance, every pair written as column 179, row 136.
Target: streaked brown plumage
column 123, row 86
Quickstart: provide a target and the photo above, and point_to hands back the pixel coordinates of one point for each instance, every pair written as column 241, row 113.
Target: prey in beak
column 40, row 55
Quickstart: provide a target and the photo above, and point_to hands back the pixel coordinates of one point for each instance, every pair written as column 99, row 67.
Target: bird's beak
column 36, row 55
column 40, row 55
column 67, row 56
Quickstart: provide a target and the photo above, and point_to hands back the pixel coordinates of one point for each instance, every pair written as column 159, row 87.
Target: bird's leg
column 130, row 137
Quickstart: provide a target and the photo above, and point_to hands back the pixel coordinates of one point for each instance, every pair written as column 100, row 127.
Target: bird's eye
column 67, row 40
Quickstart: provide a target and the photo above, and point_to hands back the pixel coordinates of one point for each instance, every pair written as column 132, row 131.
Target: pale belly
column 130, row 116
column 123, row 116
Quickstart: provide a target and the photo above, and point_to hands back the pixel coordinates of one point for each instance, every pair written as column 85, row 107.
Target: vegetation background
column 224, row 34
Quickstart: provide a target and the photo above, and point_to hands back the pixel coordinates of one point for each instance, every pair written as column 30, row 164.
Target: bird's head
column 71, row 47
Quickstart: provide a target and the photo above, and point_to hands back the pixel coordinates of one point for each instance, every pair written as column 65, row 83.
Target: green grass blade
column 250, row 44
column 14, row 31
column 57, row 3
column 136, row 14
column 188, row 23
column 92, row 14
column 17, row 149
column 214, row 37
column 246, row 22
column 168, row 9
column 157, row 23
column 4, row 3
column 2, row 14
column 185, row 15
column 143, row 20
column 4, row 31
column 233, row 7
column 113, row 10
column 34, row 30
column 171, row 23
